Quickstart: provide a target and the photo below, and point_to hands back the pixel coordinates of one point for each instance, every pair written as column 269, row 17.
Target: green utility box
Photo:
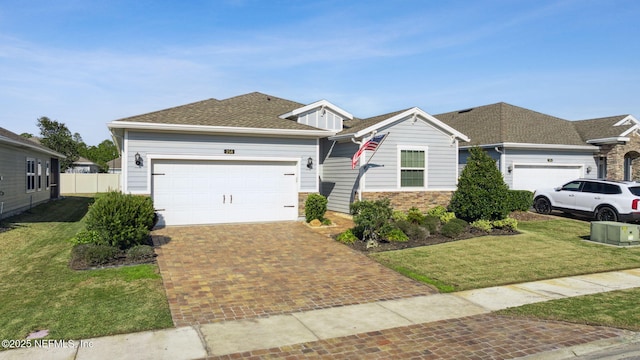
column 615, row 233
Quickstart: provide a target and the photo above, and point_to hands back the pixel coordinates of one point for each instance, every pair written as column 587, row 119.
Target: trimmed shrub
column 88, row 255
column 140, row 253
column 506, row 224
column 437, row 211
column 415, row 216
column 519, row 200
column 315, row 207
column 413, row 231
column 347, row 237
column 372, row 218
column 395, row 235
column 398, row 215
column 431, row 223
column 482, row 192
column 454, row 228
column 120, row 220
column 446, row 217
column 484, row 225
column 86, row 237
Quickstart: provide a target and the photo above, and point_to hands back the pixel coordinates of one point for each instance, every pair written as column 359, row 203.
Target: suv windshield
column 635, row 190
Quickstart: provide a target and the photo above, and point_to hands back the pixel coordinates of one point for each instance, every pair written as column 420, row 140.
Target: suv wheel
column 606, row 213
column 542, row 205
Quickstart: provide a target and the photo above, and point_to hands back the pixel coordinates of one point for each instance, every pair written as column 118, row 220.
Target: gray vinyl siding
column 214, row 145
column 530, row 156
column 14, row 197
column 338, row 180
column 382, row 172
column 316, row 118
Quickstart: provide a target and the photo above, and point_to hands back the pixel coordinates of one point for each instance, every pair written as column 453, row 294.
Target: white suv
column 603, row 200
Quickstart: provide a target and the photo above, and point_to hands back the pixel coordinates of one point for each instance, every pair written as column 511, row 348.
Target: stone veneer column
column 404, row 200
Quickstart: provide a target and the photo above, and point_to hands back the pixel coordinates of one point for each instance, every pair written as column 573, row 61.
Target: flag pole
column 376, row 150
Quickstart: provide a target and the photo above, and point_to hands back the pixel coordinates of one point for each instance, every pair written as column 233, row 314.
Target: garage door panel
column 532, row 177
column 206, row 192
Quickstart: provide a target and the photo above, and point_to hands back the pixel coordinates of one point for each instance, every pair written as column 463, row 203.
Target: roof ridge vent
column 465, row 111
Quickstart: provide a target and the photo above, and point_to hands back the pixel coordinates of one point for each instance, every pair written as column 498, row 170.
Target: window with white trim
column 39, row 175
column 47, row 174
column 31, row 175
column 412, row 167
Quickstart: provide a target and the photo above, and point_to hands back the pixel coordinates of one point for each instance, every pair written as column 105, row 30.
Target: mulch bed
column 440, row 239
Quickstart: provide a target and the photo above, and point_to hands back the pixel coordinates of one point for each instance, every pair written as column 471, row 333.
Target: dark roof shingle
column 253, row 110
column 505, row 123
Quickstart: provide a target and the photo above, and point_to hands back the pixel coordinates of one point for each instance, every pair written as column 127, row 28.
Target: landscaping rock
column 315, row 223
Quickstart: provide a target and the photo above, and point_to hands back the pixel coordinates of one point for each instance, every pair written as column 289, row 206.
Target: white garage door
column 531, row 177
column 208, row 192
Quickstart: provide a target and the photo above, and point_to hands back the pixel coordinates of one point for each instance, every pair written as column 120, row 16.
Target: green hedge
column 120, row 220
column 519, row 200
column 315, row 207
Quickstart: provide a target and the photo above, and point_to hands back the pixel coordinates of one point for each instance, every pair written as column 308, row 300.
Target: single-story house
column 29, row 173
column 535, row 150
column 115, row 166
column 256, row 157
column 83, row 166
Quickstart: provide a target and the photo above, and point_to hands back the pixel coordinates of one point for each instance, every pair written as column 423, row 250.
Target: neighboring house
column 256, row 157
column 29, row 173
column 115, row 166
column 535, row 150
column 83, row 166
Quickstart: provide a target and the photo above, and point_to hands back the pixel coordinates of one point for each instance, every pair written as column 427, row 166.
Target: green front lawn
column 616, row 309
column 38, row 290
column 545, row 249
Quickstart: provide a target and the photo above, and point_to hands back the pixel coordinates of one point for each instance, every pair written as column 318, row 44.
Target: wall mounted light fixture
column 310, row 163
column 510, row 169
column 589, row 168
column 138, row 160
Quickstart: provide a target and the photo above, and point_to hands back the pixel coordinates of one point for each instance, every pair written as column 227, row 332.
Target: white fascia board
column 413, row 111
column 535, row 146
column 218, row 129
column 625, row 119
column 316, row 105
column 610, row 140
column 630, row 130
column 28, row 146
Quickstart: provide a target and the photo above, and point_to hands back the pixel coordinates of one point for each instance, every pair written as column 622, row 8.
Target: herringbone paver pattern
column 472, row 338
column 229, row 272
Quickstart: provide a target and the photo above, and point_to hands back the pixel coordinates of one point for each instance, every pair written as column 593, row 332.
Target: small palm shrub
column 454, row 228
column 119, row 220
column 437, row 211
column 315, row 207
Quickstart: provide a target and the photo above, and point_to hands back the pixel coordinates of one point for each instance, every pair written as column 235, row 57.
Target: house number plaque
column 229, row 151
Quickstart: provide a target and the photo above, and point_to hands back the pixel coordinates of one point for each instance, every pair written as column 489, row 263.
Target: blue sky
column 86, row 63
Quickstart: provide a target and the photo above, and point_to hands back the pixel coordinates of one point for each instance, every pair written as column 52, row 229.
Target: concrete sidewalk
column 242, row 336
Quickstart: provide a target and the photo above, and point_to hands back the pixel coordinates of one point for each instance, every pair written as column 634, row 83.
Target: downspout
column 359, row 143
column 503, row 159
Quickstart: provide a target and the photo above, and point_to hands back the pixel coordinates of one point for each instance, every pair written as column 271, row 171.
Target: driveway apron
column 240, row 271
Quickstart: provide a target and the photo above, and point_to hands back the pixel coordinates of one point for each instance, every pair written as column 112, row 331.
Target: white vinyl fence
column 88, row 183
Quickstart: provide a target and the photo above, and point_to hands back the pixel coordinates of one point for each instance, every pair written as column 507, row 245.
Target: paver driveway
column 227, row 272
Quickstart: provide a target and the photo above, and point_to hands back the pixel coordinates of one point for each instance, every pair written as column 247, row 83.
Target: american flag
column 370, row 145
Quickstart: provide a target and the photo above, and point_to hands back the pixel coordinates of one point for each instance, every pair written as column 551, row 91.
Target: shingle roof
column 253, row 110
column 601, row 128
column 34, row 144
column 505, row 123
column 355, row 125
